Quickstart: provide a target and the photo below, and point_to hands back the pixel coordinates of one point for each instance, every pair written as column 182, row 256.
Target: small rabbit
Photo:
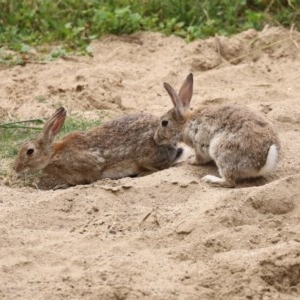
column 118, row 148
column 243, row 144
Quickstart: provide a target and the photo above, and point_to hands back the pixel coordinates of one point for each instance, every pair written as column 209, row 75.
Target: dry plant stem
column 41, row 121
column 148, row 215
column 291, row 34
column 218, row 48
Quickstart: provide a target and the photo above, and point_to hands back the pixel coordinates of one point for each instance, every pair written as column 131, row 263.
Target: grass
column 13, row 134
column 28, row 27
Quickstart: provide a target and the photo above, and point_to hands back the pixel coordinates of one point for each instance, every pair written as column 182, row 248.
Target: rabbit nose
column 158, row 138
column 17, row 167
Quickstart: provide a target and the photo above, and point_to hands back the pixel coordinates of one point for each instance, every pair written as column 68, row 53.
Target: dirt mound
column 167, row 235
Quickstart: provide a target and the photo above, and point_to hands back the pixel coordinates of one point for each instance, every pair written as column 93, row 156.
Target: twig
column 37, row 62
column 148, row 215
column 291, row 36
column 41, row 121
column 19, row 127
column 13, row 106
column 15, row 124
column 269, row 6
column 290, row 4
column 218, row 48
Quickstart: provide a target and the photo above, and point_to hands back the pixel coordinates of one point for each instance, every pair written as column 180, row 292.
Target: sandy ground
column 167, row 235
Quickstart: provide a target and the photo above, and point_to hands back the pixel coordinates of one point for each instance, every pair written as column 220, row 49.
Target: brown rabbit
column 119, row 148
column 242, row 143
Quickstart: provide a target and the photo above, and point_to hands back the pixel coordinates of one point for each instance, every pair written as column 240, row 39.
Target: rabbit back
column 118, row 148
column 237, row 139
column 131, row 138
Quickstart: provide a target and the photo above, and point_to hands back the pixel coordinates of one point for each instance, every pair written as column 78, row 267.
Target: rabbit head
column 36, row 154
column 172, row 123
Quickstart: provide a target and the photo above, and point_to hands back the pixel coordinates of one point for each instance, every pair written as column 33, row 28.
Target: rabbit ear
column 175, row 99
column 53, row 125
column 186, row 91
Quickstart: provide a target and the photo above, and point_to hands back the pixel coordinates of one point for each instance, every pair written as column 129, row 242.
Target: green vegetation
column 73, row 24
column 17, row 131
column 13, row 134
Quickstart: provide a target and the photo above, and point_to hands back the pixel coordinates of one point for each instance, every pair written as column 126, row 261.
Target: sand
column 167, row 235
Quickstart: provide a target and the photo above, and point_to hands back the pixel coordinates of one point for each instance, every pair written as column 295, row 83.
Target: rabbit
column 242, row 143
column 118, row 148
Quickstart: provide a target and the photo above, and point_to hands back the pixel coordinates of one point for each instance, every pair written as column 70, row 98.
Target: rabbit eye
column 164, row 123
column 30, row 151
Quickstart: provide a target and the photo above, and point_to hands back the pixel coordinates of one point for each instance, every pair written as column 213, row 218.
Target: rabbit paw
column 217, row 181
column 192, row 161
column 61, row 186
column 199, row 160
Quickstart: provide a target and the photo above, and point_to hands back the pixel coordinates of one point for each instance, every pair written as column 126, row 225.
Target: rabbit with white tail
column 243, row 144
column 118, row 148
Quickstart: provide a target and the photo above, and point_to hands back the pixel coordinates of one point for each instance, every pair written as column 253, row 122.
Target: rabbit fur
column 242, row 143
column 118, row 148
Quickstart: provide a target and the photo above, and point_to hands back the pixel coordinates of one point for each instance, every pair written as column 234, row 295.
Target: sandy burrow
column 167, row 235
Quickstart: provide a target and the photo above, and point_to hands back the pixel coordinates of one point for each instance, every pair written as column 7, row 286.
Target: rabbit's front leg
column 202, row 156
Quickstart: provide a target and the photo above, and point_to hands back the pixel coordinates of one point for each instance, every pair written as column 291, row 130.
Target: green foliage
column 75, row 23
column 13, row 134
column 16, row 132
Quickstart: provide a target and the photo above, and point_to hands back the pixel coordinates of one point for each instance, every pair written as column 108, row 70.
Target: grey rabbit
column 242, row 143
